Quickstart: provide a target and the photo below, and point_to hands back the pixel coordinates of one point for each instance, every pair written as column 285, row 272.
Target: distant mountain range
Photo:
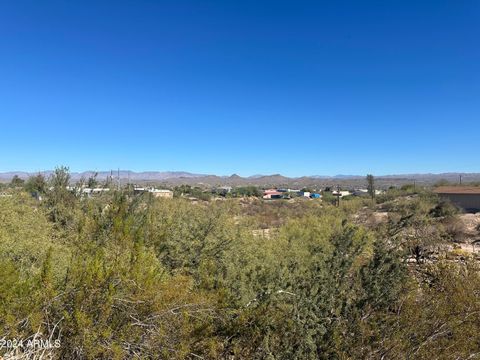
column 103, row 175
column 182, row 177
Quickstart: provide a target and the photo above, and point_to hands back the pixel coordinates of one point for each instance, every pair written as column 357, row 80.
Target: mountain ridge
column 184, row 177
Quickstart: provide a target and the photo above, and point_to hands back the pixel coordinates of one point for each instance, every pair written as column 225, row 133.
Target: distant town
column 465, row 195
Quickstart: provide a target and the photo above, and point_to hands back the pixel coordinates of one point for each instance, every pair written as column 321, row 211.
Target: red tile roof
column 457, row 190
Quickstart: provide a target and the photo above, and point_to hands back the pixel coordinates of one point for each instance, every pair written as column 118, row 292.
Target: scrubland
column 120, row 276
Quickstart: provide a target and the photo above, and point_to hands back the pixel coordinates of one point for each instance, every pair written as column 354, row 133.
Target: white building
column 155, row 192
column 341, row 192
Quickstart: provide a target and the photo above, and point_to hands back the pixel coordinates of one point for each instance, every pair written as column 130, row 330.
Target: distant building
column 84, row 191
column 465, row 197
column 162, row 193
column 360, row 192
column 139, row 190
column 315, row 196
column 364, row 192
column 341, row 192
column 270, row 191
column 99, row 190
column 272, row 194
column 155, row 192
column 304, row 193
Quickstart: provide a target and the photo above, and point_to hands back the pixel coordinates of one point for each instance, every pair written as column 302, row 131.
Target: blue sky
column 247, row 87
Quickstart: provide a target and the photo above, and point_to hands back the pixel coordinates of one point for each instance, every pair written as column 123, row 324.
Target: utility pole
column 118, row 179
column 338, row 195
column 460, row 179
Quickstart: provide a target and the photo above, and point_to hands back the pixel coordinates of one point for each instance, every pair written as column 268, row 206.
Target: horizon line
column 197, row 174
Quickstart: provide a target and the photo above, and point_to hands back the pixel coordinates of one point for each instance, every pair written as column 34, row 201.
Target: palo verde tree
column 61, row 201
column 36, row 184
column 16, row 181
column 92, row 180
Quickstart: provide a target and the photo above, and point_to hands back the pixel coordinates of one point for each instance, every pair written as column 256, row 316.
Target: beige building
column 466, row 197
column 162, row 193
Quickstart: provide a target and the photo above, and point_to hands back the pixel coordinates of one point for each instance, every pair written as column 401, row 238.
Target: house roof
column 457, row 190
column 272, row 193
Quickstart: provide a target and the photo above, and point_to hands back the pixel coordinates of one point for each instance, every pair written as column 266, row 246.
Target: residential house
column 272, row 194
column 465, row 197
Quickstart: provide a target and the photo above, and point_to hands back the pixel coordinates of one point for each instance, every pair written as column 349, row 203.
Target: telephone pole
column 338, row 195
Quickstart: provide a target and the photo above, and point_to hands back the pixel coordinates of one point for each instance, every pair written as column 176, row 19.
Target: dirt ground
column 470, row 223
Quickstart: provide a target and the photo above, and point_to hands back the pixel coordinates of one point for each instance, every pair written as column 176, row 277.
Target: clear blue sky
column 247, row 86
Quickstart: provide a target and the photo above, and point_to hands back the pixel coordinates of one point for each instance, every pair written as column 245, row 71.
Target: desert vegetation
column 121, row 276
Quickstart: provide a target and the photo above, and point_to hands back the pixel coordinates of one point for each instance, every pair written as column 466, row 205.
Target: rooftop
column 457, row 190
